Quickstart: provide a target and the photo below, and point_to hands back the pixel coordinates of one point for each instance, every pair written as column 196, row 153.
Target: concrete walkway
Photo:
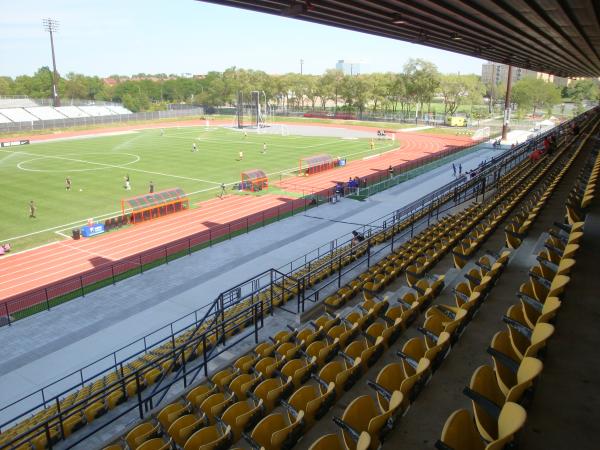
column 41, row 349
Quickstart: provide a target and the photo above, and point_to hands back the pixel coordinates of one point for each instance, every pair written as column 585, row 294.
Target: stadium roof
column 553, row 36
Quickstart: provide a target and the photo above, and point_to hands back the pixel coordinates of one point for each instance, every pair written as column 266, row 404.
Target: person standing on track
column 68, row 183
column 32, row 209
column 222, row 191
column 127, row 184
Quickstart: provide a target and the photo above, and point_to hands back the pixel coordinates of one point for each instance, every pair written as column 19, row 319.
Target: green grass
column 98, row 165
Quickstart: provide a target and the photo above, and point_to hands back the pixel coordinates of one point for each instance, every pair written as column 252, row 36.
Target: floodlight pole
column 301, row 66
column 507, row 104
column 51, row 26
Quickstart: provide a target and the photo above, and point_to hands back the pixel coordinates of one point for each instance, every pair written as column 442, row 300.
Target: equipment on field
column 254, row 180
column 310, row 165
column 151, row 206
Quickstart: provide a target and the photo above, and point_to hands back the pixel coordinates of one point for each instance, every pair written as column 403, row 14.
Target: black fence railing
column 218, row 324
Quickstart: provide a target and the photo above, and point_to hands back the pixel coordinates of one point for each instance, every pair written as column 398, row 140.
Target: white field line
column 64, row 227
column 129, row 169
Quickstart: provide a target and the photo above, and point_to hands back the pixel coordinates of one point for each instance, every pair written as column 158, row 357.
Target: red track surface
column 412, row 147
column 54, row 262
column 31, row 271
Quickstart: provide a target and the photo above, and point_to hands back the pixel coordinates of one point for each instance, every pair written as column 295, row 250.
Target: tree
column 423, row 80
column 535, row 93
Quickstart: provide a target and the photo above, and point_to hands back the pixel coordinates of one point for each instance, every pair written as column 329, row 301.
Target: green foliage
column 535, row 93
column 459, row 89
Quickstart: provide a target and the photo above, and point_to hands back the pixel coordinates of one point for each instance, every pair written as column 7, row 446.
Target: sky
column 126, row 37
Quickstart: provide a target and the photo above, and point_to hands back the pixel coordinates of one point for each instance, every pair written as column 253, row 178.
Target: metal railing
column 46, row 297
column 445, row 197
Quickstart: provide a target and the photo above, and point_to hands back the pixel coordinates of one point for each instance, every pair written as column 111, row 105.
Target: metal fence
column 435, row 203
column 99, row 120
column 44, row 298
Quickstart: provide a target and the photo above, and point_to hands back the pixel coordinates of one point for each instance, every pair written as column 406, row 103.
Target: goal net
column 284, row 130
column 481, row 134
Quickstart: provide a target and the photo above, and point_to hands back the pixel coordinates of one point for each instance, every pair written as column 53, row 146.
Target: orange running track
column 38, row 268
column 33, row 276
column 413, row 146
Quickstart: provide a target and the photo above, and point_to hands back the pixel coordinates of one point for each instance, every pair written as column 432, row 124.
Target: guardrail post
column 7, row 314
column 139, row 394
column 141, row 266
column 183, row 362
column 247, row 225
column 47, row 302
column 209, row 238
column 255, row 311
column 204, row 355
column 60, row 421
column 339, row 271
column 112, row 271
column 81, row 282
column 369, row 253
column 189, row 246
column 166, row 255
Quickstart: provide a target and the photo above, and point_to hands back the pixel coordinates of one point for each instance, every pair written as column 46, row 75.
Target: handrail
column 214, row 326
column 485, row 170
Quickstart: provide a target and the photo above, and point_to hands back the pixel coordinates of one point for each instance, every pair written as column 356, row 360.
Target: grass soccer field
column 97, row 166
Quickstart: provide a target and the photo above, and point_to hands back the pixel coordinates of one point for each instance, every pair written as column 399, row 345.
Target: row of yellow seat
column 499, row 393
column 583, row 193
column 420, row 253
column 365, row 423
column 517, row 229
column 94, row 400
column 334, row 350
column 366, row 420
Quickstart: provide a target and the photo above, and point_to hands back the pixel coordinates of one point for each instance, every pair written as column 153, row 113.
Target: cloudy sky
column 187, row 36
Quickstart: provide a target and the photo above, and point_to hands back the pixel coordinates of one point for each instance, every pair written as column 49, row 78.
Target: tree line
column 418, row 89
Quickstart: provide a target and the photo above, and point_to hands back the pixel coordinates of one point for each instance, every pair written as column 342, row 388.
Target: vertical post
column 209, row 237
column 81, row 282
column 255, row 311
column 166, row 255
column 369, row 253
column 47, row 301
column 139, row 394
column 506, row 121
column 7, row 314
column 141, row 266
column 112, row 270
column 340, row 271
column 204, row 355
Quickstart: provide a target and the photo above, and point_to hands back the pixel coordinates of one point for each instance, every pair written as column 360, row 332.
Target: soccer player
column 241, row 155
column 222, row 191
column 151, row 187
column 32, row 209
column 264, row 150
column 194, row 148
column 245, row 134
column 162, row 132
column 372, row 144
column 68, row 184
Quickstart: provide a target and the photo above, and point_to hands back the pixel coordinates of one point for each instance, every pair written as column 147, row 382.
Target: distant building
column 348, row 67
column 496, row 73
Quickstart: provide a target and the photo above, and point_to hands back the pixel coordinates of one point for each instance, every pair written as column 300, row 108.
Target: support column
column 507, row 104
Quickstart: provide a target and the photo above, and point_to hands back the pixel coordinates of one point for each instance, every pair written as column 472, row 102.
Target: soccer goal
column 284, row 130
column 481, row 134
column 251, row 110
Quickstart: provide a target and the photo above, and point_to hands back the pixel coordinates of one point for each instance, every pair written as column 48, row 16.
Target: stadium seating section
column 271, row 396
column 26, row 110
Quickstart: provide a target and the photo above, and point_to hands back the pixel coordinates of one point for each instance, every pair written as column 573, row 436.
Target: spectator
column 391, row 171
column 459, row 169
column 454, row 169
column 358, row 238
column 546, row 144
